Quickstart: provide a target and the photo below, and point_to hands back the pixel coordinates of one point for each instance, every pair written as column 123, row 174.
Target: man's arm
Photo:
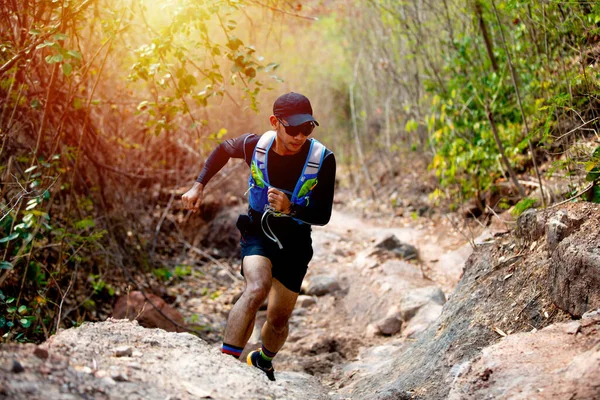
column 240, row 147
column 318, row 211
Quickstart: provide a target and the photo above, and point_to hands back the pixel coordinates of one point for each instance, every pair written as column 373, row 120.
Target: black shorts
column 289, row 265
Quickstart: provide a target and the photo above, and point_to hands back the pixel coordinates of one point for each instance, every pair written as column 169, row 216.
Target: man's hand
column 279, row 201
column 193, row 197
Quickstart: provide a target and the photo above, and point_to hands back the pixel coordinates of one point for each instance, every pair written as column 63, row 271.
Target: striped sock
column 266, row 355
column 231, row 350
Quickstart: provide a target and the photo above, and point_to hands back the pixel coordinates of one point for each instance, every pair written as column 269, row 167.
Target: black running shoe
column 252, row 360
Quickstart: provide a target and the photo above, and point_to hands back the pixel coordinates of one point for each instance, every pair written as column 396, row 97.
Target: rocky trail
column 386, row 313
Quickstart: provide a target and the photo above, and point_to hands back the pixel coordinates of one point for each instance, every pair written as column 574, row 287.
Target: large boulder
column 80, row 363
column 575, row 268
column 150, row 311
column 561, row 361
column 504, row 290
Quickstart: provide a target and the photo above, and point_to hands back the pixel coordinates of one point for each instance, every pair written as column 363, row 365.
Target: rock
column 17, row 367
column 574, row 274
column 389, row 325
column 556, row 365
column 101, row 373
column 372, row 330
column 222, row 232
column 135, row 306
column 591, row 314
column 559, row 227
column 529, row 226
column 123, row 351
column 398, row 248
column 415, row 299
column 41, row 353
column 320, row 285
column 108, row 381
column 119, row 376
column 426, row 316
column 305, row 301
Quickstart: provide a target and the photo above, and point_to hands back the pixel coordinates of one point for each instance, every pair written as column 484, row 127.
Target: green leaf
column 35, row 32
column 22, row 309
column 85, row 223
column 593, row 174
column 10, row 237
column 28, row 170
column 60, row 36
column 596, row 194
column 54, row 59
column 26, row 323
column 35, row 104
column 74, row 54
column 67, row 69
column 45, row 44
column 5, row 265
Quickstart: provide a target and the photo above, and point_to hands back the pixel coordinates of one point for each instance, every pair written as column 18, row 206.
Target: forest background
column 109, row 107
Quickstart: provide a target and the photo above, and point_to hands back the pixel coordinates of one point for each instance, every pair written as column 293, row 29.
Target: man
column 291, row 187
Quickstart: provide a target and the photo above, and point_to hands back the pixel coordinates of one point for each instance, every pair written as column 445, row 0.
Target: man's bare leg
column 257, row 273
column 281, row 304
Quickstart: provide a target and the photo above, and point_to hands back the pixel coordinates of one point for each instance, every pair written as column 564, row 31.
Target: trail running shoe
column 253, row 358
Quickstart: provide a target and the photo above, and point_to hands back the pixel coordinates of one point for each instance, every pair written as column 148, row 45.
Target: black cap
column 294, row 108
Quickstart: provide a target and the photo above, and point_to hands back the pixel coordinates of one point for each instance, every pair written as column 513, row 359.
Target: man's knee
column 256, row 294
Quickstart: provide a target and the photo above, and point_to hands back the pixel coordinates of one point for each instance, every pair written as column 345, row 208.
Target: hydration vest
column 258, row 182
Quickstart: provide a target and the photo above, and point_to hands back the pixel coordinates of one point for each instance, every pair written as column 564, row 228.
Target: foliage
column 450, row 65
column 98, row 99
column 522, row 206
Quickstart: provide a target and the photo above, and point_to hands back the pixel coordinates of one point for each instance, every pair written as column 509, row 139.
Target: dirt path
column 330, row 333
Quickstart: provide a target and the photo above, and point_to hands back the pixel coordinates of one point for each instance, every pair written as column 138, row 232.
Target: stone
column 17, row 367
column 372, row 331
column 321, row 285
column 426, row 316
column 41, row 353
column 119, row 376
column 123, row 351
column 393, row 245
column 574, row 273
column 591, row 314
column 108, row 381
column 556, row 230
column 389, row 325
column 305, row 301
column 415, row 299
column 134, row 306
column 555, row 365
column 529, row 226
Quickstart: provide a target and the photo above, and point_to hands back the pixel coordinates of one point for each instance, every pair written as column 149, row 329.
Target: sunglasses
column 305, row 129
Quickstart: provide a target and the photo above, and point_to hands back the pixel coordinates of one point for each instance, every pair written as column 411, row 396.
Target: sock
column 231, row 350
column 266, row 357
